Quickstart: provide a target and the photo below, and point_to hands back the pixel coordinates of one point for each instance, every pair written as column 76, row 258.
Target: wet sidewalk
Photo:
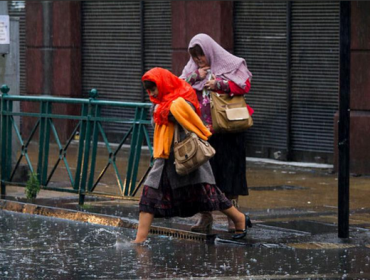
column 289, row 206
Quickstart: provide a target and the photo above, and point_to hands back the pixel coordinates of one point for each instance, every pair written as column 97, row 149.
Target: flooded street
column 78, row 112
column 34, row 247
column 294, row 237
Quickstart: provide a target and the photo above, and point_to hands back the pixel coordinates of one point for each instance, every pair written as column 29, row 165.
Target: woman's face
column 200, row 61
column 153, row 92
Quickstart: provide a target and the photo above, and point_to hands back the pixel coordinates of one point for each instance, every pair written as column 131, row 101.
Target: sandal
column 241, row 233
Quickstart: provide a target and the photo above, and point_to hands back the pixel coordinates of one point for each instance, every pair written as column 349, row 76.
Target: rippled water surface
column 35, row 247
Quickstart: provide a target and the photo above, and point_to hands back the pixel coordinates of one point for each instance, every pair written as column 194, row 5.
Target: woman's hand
column 211, row 84
column 203, row 72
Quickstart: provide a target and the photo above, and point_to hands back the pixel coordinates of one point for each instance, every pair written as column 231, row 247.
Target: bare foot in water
column 136, row 241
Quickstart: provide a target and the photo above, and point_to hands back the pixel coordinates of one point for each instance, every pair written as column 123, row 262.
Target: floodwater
column 34, row 247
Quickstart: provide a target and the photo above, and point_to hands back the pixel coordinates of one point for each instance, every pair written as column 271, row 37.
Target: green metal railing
column 89, row 126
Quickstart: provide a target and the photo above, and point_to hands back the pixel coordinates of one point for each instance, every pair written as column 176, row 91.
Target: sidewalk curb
column 311, row 165
column 97, row 219
column 66, row 214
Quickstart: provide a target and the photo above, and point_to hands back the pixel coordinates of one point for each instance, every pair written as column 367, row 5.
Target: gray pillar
column 9, row 71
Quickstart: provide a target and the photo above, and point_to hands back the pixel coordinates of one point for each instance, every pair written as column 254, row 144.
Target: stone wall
column 189, row 18
column 360, row 91
column 53, row 39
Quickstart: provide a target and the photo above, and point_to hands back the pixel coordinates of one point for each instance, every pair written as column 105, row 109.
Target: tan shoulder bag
column 229, row 113
column 191, row 152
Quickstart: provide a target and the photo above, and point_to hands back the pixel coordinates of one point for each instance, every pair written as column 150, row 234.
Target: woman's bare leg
column 237, row 217
column 234, row 201
column 145, row 221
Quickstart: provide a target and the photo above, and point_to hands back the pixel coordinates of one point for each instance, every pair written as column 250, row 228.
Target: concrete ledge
column 67, row 214
column 99, row 219
column 291, row 163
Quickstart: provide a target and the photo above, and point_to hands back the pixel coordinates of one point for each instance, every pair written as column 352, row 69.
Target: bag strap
column 211, row 94
column 177, row 132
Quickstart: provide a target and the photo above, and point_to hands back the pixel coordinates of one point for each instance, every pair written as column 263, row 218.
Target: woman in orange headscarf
column 165, row 193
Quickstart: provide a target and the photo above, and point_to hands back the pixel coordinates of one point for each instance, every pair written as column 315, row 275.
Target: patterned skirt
column 182, row 202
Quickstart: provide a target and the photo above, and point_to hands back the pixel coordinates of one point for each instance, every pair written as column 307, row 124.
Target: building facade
column 291, row 47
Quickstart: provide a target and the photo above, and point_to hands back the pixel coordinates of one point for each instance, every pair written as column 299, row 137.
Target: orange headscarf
column 170, row 87
column 172, row 93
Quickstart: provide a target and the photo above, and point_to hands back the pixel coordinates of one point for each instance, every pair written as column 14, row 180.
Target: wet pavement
column 294, row 210
column 34, row 247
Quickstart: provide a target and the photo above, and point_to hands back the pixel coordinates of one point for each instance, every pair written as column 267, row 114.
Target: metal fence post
column 95, row 132
column 82, row 135
column 86, row 152
column 6, row 140
column 138, row 145
column 41, row 140
column 46, row 148
column 135, row 151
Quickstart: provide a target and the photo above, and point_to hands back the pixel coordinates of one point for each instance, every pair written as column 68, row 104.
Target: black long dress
column 229, row 163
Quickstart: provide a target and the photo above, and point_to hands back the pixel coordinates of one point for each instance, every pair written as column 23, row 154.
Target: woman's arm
column 228, row 87
column 193, row 78
column 197, row 75
column 223, row 86
column 172, row 119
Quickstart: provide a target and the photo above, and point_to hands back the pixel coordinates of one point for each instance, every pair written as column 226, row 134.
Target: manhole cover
column 306, row 226
column 320, row 245
column 277, row 188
